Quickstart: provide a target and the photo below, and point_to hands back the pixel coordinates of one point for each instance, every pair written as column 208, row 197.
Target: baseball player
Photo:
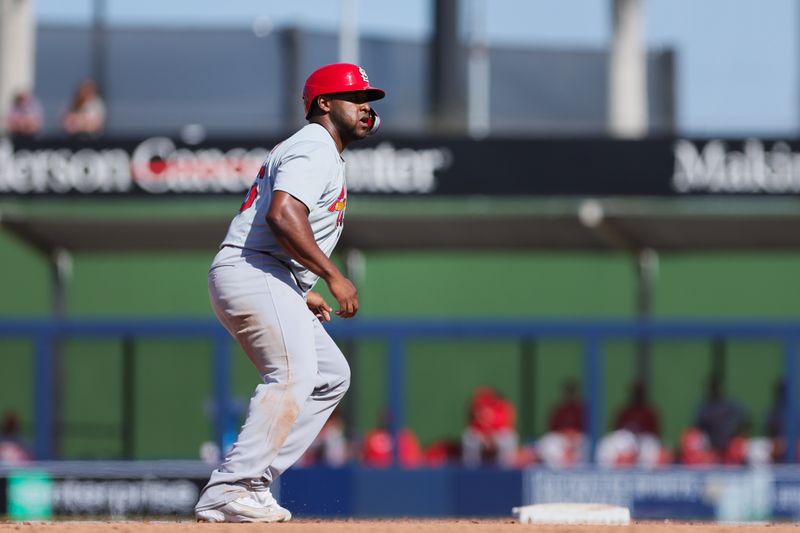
column 260, row 282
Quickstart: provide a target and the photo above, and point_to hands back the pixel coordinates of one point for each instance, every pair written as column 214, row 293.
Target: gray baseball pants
column 305, row 374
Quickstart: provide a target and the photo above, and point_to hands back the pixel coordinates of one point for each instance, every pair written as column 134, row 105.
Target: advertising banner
column 159, row 166
column 728, row 495
column 30, row 495
column 38, row 496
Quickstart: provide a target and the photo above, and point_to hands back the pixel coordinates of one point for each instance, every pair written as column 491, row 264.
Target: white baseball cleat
column 246, row 509
column 265, row 498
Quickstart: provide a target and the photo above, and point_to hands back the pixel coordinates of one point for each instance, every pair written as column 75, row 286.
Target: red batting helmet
column 338, row 78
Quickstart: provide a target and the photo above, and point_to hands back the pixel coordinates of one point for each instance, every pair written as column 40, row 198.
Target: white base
column 572, row 513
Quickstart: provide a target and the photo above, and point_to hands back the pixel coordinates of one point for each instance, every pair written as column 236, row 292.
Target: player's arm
column 288, row 218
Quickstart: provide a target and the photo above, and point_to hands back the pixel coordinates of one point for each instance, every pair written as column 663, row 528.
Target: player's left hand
column 317, row 304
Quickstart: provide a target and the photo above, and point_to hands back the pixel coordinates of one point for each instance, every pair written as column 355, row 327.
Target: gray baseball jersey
column 308, row 166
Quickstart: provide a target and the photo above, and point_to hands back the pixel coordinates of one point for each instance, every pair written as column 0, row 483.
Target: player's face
column 350, row 113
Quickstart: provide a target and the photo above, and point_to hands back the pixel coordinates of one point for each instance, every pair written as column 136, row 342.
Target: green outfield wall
column 173, row 380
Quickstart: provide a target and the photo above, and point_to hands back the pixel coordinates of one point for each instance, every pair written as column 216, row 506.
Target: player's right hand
column 346, row 294
column 317, row 305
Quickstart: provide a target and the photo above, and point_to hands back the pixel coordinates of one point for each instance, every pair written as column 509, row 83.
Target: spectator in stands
column 638, row 415
column 13, row 448
column 491, row 435
column 25, row 118
column 86, row 115
column 569, row 414
column 330, row 447
column 719, row 417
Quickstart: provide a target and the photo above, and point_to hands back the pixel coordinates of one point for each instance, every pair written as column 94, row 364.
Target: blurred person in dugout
column 330, row 447
column 377, row 448
column 570, row 413
column 490, row 436
column 85, row 117
column 25, row 118
column 636, row 436
column 638, row 415
column 13, row 448
column 719, row 431
column 564, row 444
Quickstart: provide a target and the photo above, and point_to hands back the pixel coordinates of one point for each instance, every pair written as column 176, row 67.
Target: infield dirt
column 387, row 526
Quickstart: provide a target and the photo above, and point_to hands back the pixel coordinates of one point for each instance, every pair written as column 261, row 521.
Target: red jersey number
column 253, row 192
column 251, row 197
